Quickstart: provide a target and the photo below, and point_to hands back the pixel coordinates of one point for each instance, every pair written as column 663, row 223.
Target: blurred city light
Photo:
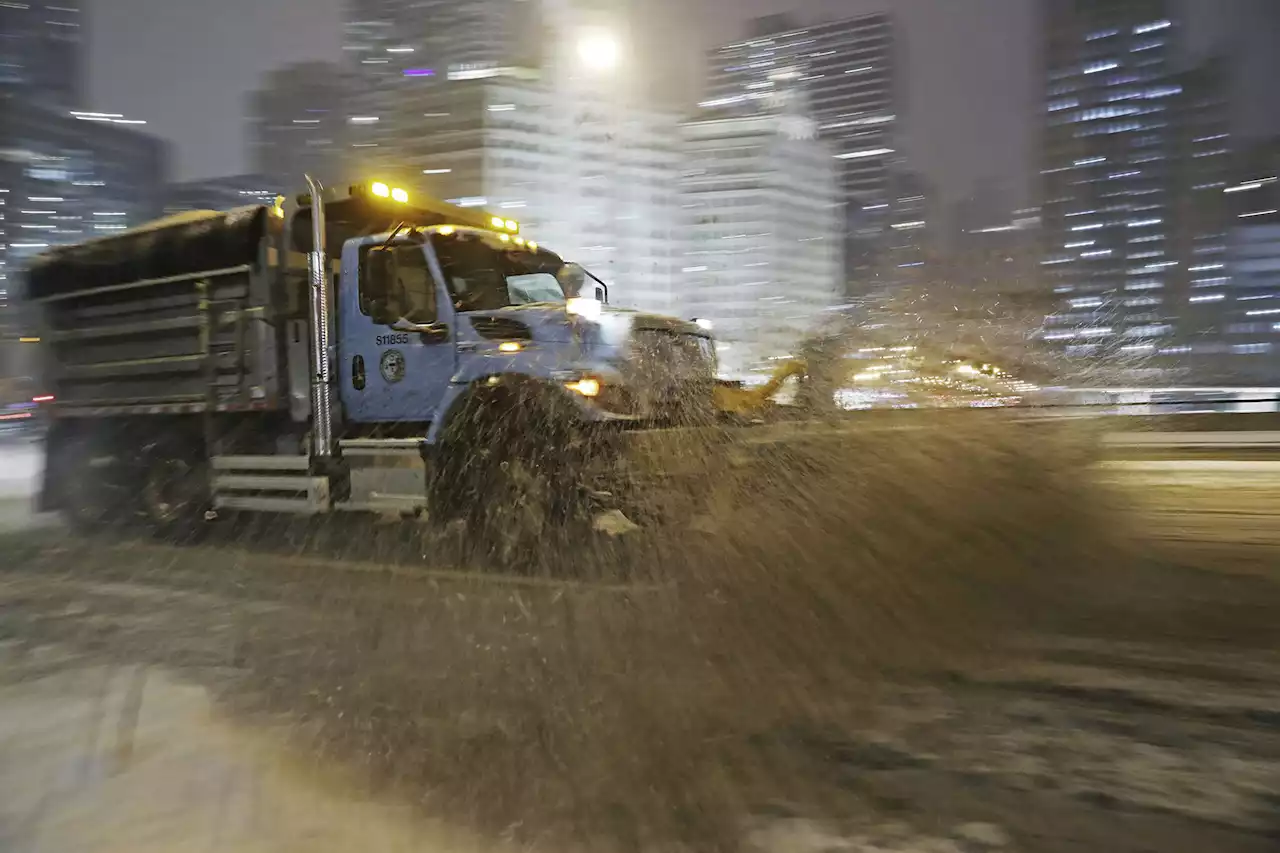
column 598, row 50
column 586, row 307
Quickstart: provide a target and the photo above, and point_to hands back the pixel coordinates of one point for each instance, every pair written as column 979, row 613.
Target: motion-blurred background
column 1091, row 181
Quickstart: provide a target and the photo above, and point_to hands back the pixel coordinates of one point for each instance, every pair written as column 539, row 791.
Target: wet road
column 165, row 698
column 156, row 698
column 1200, row 489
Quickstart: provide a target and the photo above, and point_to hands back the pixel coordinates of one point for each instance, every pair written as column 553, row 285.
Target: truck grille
column 661, row 355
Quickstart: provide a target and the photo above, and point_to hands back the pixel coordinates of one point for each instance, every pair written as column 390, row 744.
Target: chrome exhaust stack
column 321, row 390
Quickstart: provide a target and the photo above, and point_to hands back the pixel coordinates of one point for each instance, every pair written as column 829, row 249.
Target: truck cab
column 425, row 316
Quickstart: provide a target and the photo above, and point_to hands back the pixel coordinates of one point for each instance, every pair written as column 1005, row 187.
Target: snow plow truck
column 358, row 351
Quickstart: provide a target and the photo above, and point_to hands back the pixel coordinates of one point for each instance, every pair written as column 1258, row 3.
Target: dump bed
column 174, row 316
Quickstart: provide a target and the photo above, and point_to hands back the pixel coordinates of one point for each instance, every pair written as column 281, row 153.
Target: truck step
column 239, row 482
column 295, row 506
column 261, row 463
column 316, row 488
column 369, row 447
column 387, row 475
column 259, row 483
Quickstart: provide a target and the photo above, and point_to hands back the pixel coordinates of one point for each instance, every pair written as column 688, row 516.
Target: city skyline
column 1117, row 162
column 1127, row 183
column 970, row 87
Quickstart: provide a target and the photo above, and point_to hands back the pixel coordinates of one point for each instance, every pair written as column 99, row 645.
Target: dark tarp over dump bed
column 179, row 245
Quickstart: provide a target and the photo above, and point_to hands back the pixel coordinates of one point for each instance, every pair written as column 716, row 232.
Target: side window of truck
column 468, row 268
column 410, row 296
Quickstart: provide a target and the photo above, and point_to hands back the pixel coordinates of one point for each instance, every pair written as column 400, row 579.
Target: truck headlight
column 587, row 387
column 581, row 306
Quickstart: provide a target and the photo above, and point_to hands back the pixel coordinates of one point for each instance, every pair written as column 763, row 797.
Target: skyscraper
column 398, row 51
column 501, row 144
column 913, row 226
column 1253, row 265
column 66, row 173
column 41, row 52
column 762, row 258
column 72, row 176
column 388, row 40
column 66, row 177
column 848, row 71
column 1134, row 147
column 40, row 59
column 851, row 85
column 494, row 105
column 224, row 193
column 299, row 125
column 744, row 74
column 1202, row 294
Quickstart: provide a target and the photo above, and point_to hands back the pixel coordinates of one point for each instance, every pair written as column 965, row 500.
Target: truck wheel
column 93, row 483
column 175, row 489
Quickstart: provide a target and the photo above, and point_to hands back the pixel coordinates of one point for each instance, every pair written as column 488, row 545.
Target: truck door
column 397, row 344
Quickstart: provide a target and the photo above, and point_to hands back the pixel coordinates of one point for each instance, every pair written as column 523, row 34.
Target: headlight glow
column 585, row 307
column 587, row 387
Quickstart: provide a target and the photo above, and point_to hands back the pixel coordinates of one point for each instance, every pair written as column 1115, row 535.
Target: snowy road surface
column 21, row 463
column 121, row 758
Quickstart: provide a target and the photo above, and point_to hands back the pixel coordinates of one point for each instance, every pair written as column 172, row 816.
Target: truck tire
column 175, row 489
column 92, row 483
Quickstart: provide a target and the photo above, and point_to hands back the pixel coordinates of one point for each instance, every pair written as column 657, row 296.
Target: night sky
column 971, row 75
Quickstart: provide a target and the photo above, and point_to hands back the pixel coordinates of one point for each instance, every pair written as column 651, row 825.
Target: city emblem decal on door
column 392, row 365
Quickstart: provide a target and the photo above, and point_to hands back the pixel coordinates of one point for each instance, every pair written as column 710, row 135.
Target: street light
column 598, row 50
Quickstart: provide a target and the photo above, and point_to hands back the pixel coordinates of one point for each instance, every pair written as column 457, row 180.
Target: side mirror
column 572, row 279
column 380, row 274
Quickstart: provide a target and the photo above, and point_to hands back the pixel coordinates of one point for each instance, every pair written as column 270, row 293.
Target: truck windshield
column 484, row 273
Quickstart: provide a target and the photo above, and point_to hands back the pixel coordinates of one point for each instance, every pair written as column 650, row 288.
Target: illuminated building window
column 1152, row 331
column 1104, row 65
